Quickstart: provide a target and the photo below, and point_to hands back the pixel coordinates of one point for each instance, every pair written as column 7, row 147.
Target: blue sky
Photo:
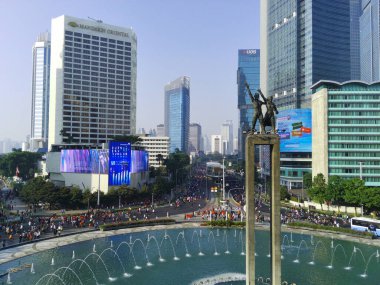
column 196, row 38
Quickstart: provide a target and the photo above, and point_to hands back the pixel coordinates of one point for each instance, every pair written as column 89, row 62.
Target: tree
column 159, row 158
column 371, row 198
column 66, row 136
column 318, row 189
column 284, row 194
column 127, row 138
column 25, row 162
column 336, row 190
column 354, row 193
column 176, row 164
column 307, row 180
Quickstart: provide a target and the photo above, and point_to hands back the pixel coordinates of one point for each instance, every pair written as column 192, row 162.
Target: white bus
column 366, row 225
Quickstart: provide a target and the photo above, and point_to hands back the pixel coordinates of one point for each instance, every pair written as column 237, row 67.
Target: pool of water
column 196, row 256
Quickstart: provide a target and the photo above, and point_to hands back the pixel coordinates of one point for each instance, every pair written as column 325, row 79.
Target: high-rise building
column 40, row 93
column 195, row 138
column 92, row 81
column 304, row 42
column 370, row 41
column 216, row 144
column 227, row 137
column 349, row 147
column 160, row 130
column 155, row 146
column 248, row 71
column 177, row 113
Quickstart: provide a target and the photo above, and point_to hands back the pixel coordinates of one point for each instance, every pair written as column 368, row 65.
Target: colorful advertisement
column 119, row 163
column 140, row 161
column 294, row 129
column 84, row 161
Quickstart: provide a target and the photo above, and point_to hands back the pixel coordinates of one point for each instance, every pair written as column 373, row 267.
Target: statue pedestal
column 273, row 141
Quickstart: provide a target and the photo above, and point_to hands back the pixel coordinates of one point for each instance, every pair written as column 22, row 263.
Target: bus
column 366, row 225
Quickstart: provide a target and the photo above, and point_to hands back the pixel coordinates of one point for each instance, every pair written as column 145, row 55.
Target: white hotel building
column 92, row 81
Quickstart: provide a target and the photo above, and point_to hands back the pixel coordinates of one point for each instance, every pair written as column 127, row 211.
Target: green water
column 110, row 268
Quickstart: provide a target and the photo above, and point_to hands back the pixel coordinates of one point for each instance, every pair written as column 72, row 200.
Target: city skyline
column 205, row 50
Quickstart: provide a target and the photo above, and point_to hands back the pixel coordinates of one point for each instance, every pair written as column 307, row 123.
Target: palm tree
column 159, row 158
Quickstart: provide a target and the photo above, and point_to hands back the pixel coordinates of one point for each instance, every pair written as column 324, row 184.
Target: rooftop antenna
column 98, row 21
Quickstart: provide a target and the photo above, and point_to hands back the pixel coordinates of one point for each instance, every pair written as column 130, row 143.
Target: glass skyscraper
column 248, row 71
column 370, row 41
column 40, row 92
column 307, row 41
column 93, row 81
column 177, row 113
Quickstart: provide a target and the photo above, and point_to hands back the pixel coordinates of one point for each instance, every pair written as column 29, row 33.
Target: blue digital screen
column 84, row 161
column 140, row 161
column 119, row 163
column 294, row 129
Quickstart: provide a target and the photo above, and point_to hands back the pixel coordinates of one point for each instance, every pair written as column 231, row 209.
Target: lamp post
column 224, row 190
column 361, row 177
column 98, row 201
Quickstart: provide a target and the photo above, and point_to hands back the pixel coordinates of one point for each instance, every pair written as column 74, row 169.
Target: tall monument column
column 273, row 141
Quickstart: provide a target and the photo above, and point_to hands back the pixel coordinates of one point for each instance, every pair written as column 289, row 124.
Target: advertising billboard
column 140, row 160
column 119, row 163
column 84, row 161
column 294, row 129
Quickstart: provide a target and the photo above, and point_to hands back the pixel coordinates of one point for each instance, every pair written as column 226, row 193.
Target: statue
column 269, row 119
column 258, row 114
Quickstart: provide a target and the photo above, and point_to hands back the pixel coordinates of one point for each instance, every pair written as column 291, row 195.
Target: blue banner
column 119, row 163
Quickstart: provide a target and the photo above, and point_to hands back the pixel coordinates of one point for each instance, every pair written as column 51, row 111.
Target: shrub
column 224, row 223
column 132, row 224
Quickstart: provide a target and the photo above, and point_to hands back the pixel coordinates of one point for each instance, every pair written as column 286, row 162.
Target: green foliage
column 127, row 138
column 371, row 198
column 307, row 180
column 328, row 228
column 336, row 190
column 354, row 190
column 224, row 223
column 176, row 164
column 284, row 194
column 25, row 161
column 318, row 189
column 140, row 223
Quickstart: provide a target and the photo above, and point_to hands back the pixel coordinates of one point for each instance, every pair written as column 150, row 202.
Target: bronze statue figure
column 258, row 114
column 269, row 119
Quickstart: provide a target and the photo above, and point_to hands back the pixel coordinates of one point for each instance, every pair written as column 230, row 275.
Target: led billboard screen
column 140, row 160
column 84, row 161
column 294, row 129
column 119, row 163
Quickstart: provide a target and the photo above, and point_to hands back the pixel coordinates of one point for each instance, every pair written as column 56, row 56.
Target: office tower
column 370, row 41
column 349, row 147
column 93, row 81
column 206, row 144
column 227, row 137
column 161, row 130
column 155, row 146
column 40, row 92
column 177, row 113
column 216, row 144
column 304, row 42
column 248, row 71
column 355, row 12
column 195, row 138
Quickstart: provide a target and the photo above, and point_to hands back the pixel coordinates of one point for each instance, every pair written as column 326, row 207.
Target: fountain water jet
column 299, row 248
column 183, row 237
column 213, row 237
column 376, row 254
column 315, row 248
column 160, row 259
column 333, row 254
column 32, row 269
column 171, row 242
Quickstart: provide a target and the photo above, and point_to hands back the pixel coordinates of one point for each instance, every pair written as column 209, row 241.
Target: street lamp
column 224, row 190
column 361, row 178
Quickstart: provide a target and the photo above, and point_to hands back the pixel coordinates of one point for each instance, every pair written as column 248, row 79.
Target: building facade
column 93, row 81
column 302, row 46
column 346, row 117
column 370, row 40
column 226, row 132
column 160, row 130
column 304, row 42
column 155, row 146
column 195, row 138
column 40, row 93
column 177, row 113
column 216, row 144
column 248, row 71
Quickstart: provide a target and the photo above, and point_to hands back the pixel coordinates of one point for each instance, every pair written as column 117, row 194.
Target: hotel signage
column 98, row 29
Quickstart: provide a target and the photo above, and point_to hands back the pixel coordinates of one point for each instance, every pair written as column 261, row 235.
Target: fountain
column 114, row 264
